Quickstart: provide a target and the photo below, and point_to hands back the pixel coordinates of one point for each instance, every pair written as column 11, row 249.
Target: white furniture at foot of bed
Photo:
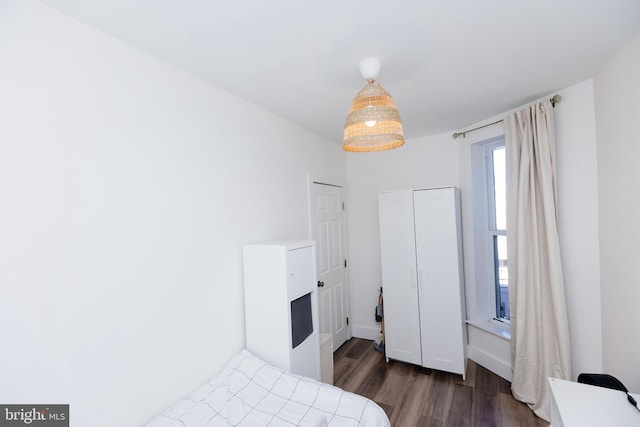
column 251, row 393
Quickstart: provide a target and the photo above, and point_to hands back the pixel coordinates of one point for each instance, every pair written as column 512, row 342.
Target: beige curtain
column 539, row 327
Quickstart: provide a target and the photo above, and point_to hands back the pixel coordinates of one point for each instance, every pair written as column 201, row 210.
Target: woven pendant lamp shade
column 373, row 122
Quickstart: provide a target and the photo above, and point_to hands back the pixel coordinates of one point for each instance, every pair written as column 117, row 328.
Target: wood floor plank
column 409, row 409
column 485, row 399
column 416, row 396
column 352, row 378
column 428, row 422
column 374, row 379
column 461, row 406
column 514, row 413
column 340, row 351
column 470, row 379
column 358, row 349
column 342, row 368
column 399, row 376
column 504, row 386
column 436, row 403
column 387, row 409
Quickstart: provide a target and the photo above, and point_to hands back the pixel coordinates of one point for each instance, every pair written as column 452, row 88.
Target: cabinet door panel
column 439, row 285
column 399, row 281
column 301, row 272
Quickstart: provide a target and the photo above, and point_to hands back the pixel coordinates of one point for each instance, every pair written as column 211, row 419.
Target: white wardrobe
column 424, row 304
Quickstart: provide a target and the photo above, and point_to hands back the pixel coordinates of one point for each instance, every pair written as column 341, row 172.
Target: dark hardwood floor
column 416, row 396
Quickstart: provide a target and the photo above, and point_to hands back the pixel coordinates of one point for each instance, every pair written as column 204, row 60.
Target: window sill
column 494, row 327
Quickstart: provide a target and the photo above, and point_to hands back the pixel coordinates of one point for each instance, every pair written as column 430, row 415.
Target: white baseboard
column 488, row 361
column 365, row 332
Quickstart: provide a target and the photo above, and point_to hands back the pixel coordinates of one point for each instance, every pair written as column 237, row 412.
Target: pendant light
column 373, row 122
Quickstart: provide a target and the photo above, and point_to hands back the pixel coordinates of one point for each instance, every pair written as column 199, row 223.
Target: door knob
column 320, row 284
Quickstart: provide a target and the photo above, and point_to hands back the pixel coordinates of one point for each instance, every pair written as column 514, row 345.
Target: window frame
column 492, row 230
column 478, row 248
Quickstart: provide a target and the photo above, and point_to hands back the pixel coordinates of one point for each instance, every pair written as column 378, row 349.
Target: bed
column 250, row 393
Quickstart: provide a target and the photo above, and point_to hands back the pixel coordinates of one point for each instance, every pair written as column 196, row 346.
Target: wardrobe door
column 439, row 286
column 399, row 282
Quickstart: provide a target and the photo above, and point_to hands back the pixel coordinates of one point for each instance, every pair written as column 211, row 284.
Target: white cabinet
column 582, row 405
column 424, row 308
column 281, row 306
column 326, row 358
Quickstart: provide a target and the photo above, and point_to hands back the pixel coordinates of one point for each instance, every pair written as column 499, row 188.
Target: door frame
column 313, row 179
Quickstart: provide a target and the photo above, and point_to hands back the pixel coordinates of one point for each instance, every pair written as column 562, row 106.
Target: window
column 497, row 226
column 488, row 279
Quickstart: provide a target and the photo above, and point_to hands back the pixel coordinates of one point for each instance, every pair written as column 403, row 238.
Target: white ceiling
column 447, row 63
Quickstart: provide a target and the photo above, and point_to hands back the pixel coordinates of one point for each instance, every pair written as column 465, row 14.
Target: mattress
column 250, row 393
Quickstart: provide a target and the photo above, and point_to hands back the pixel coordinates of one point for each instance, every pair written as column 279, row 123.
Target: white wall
column 597, row 225
column 578, row 223
column 128, row 188
column 489, row 342
column 578, row 229
column 617, row 92
column 421, row 163
column 438, row 160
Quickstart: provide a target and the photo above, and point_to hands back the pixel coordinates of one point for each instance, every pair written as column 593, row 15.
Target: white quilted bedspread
column 251, row 393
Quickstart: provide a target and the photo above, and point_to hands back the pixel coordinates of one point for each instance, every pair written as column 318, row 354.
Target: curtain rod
column 554, row 100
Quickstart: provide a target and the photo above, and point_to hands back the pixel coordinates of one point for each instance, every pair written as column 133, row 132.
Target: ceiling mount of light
column 373, row 122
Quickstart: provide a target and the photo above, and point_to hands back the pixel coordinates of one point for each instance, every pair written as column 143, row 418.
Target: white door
column 441, row 317
column 328, row 232
column 399, row 277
